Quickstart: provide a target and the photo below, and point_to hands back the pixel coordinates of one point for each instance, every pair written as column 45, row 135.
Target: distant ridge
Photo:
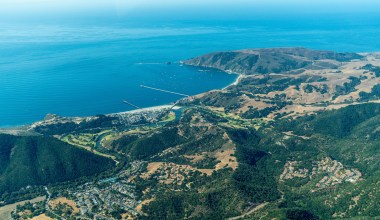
column 271, row 60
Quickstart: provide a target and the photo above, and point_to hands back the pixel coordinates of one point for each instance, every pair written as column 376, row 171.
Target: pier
column 162, row 90
column 128, row 103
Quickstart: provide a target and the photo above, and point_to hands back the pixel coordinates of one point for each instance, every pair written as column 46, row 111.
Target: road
column 47, row 204
column 250, row 211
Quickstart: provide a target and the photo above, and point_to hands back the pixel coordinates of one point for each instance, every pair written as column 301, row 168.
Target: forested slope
column 38, row 160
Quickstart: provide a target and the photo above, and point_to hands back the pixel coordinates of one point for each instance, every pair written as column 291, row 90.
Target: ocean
column 89, row 69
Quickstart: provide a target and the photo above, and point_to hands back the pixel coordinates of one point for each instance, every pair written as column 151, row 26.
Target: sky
column 60, row 5
column 175, row 9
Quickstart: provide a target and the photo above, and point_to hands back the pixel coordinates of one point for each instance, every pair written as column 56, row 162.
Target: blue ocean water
column 88, row 69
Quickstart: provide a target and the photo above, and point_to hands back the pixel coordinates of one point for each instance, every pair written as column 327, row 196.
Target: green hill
column 40, row 160
column 336, row 123
column 329, row 162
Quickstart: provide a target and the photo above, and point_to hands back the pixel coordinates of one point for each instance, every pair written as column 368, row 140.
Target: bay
column 88, row 69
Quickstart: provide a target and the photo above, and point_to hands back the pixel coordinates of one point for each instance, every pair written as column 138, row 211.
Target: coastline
column 153, row 108
column 168, row 106
column 237, row 80
column 26, row 129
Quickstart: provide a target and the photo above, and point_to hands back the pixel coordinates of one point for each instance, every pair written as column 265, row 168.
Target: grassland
column 5, row 211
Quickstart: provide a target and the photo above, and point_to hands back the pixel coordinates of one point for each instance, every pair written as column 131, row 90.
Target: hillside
column 292, row 93
column 300, row 143
column 329, row 172
column 38, row 160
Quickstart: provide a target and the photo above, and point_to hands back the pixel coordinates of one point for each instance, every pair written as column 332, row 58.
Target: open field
column 41, row 217
column 62, row 200
column 5, row 211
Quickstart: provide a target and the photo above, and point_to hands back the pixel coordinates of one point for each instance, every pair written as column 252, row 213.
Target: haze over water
column 86, row 68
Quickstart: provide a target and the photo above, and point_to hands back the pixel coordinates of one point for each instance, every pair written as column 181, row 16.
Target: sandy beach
column 237, row 80
column 148, row 109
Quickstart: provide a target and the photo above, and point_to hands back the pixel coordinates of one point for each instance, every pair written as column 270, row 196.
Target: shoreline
column 164, row 106
column 17, row 129
column 141, row 110
column 237, row 80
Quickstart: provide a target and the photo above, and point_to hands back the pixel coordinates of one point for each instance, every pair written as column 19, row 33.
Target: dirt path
column 47, row 207
column 250, row 211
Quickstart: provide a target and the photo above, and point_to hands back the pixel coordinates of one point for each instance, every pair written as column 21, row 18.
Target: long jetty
column 162, row 90
column 128, row 103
